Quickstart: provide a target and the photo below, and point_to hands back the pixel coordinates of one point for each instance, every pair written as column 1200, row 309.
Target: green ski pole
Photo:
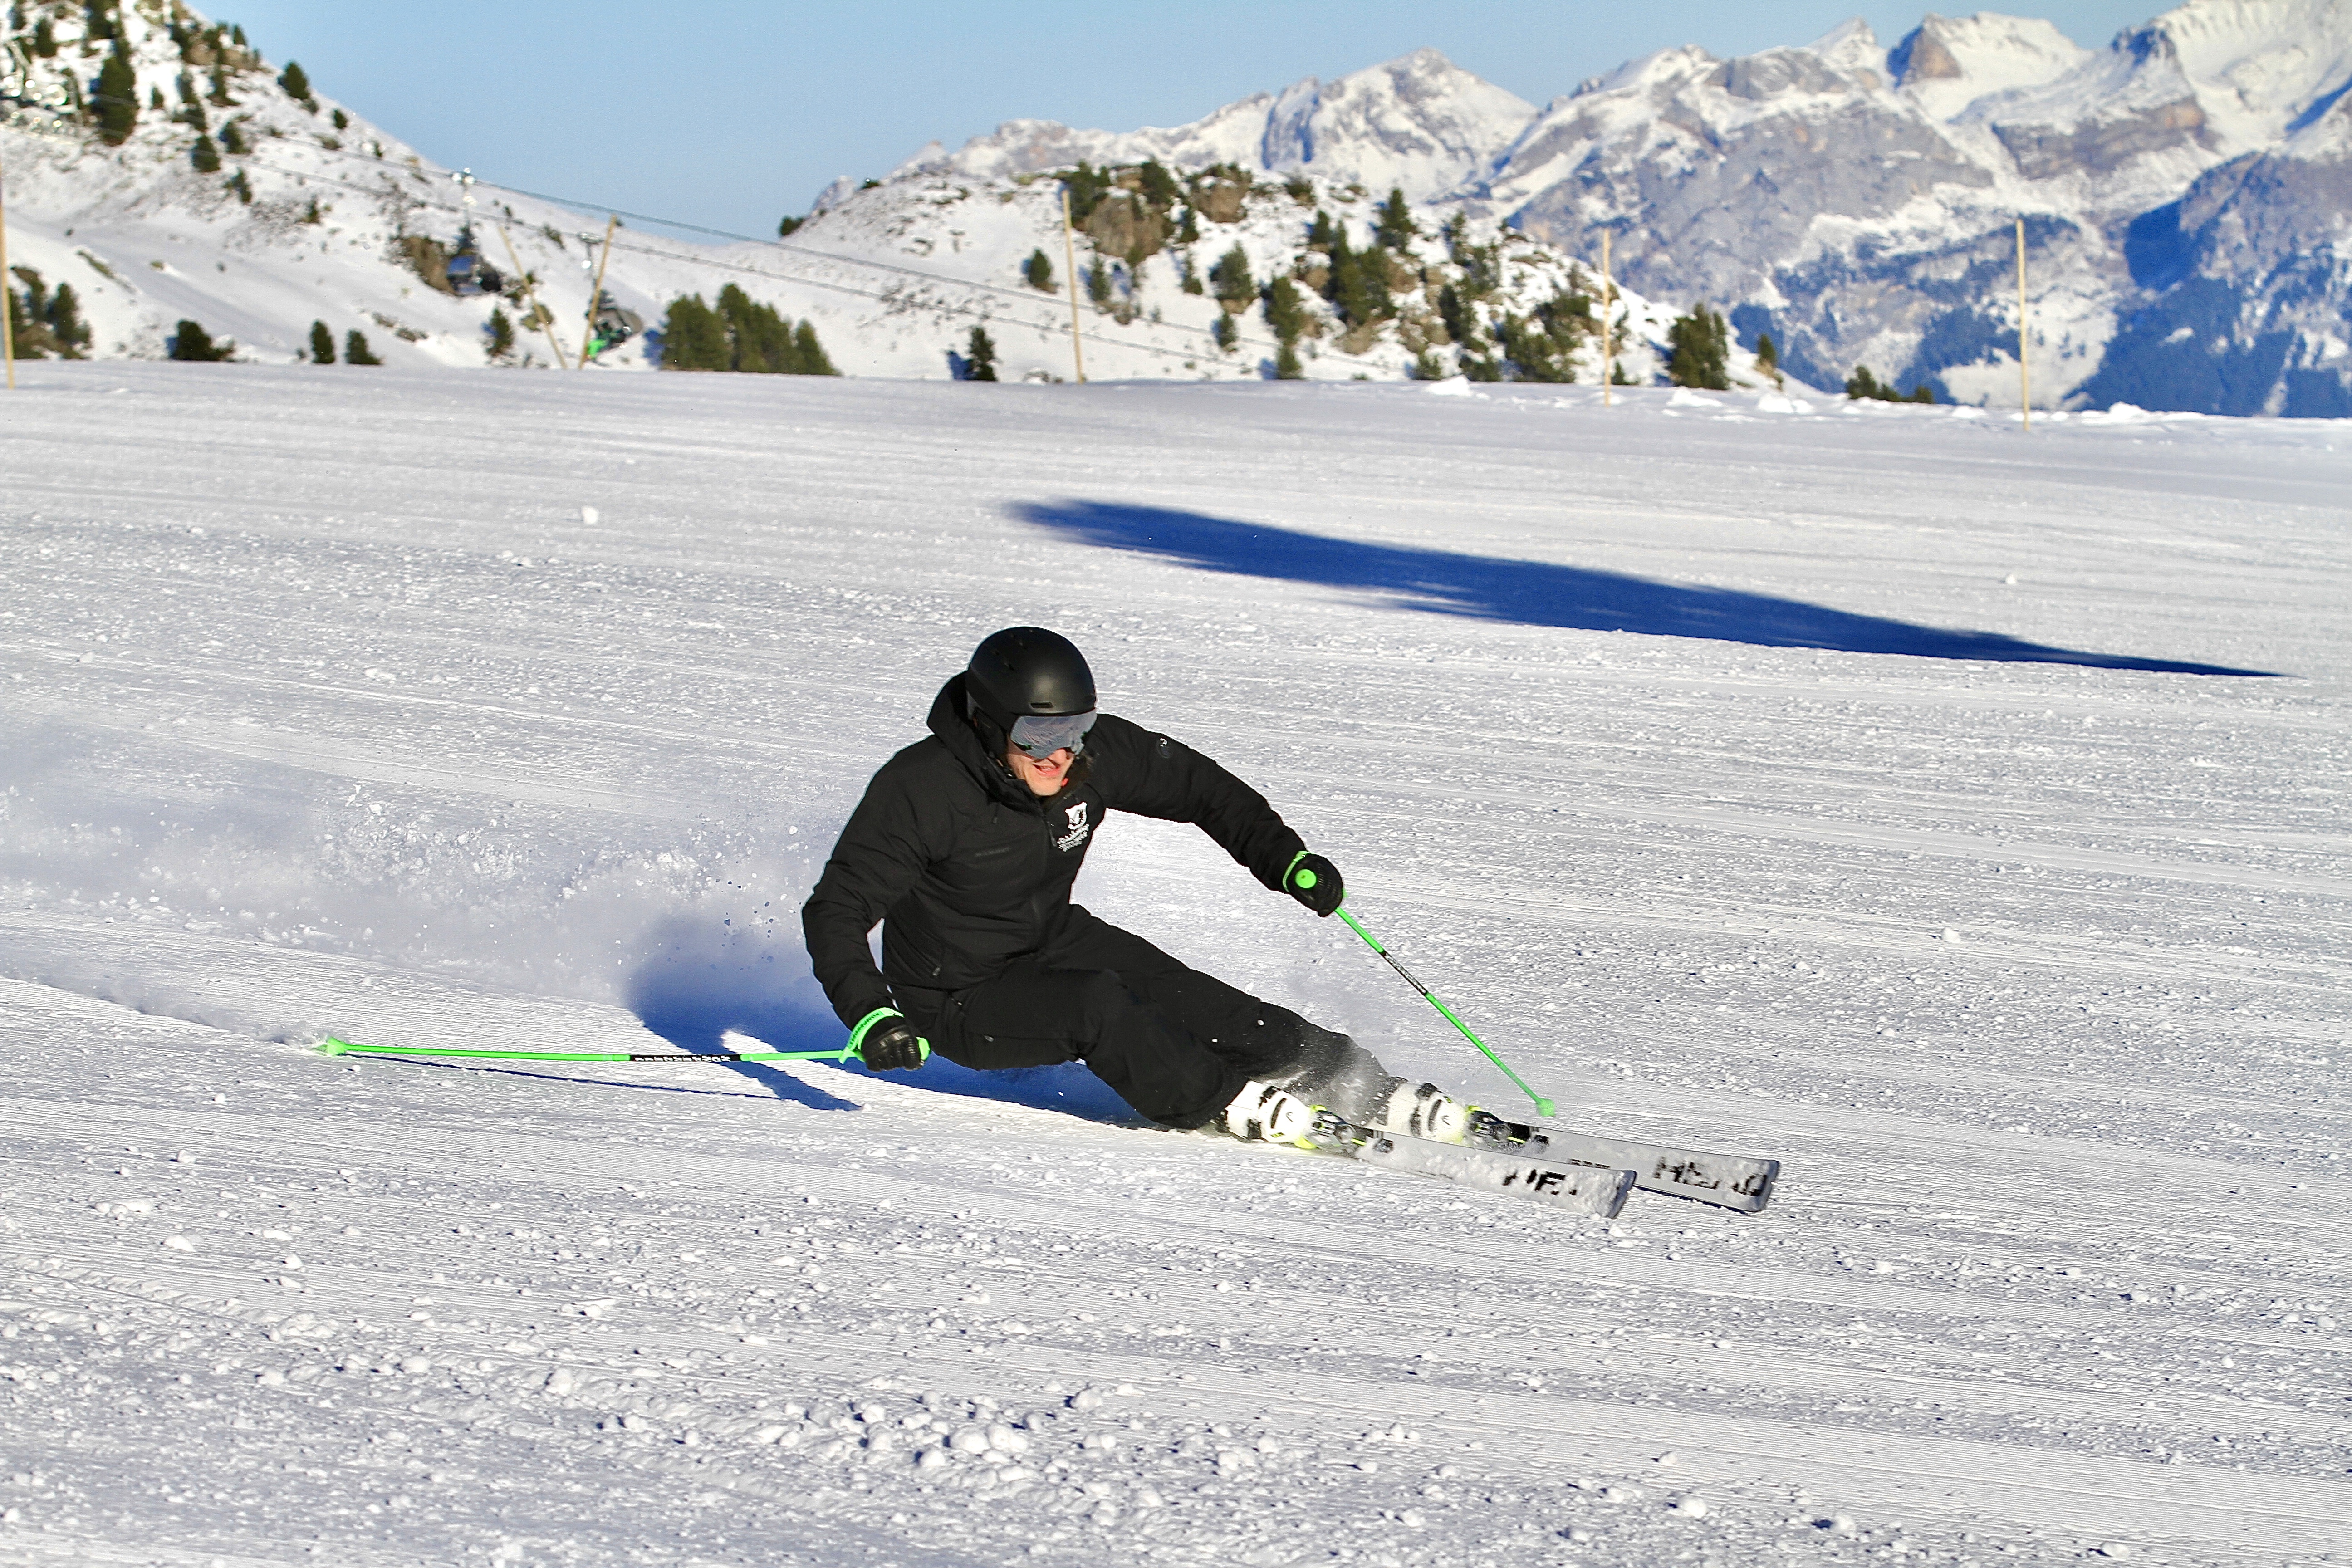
column 335, row 1048
column 1543, row 1106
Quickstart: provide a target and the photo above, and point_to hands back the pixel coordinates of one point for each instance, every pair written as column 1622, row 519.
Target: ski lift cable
column 812, row 254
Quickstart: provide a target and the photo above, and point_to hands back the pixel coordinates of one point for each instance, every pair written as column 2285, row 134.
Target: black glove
column 886, row 1042
column 1315, row 882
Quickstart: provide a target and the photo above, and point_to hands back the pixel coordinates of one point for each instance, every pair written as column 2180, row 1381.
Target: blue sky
column 730, row 113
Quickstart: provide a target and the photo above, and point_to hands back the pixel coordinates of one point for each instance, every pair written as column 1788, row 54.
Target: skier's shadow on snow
column 1539, row 594
column 697, row 983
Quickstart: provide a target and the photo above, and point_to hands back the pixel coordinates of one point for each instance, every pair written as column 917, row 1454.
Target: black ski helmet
column 1028, row 669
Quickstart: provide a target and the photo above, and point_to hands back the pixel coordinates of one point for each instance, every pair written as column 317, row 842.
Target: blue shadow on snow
column 1538, row 594
column 698, row 983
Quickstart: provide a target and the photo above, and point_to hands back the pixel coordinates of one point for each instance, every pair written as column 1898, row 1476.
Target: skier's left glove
column 885, row 1042
column 1315, row 882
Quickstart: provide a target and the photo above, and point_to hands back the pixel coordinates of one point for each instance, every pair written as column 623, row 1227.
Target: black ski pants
column 1174, row 1043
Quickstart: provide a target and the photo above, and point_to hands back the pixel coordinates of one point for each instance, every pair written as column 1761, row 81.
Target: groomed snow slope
column 449, row 708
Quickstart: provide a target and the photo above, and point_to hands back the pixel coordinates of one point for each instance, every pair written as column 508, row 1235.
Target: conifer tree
column 1862, row 383
column 1224, row 332
column 1395, row 229
column 1159, row 187
column 72, row 333
column 117, row 102
column 192, row 343
column 1360, row 284
column 980, row 356
column 1099, row 281
column 501, row 333
column 342, row 120
column 1287, row 366
column 356, row 350
column 692, row 336
column 1230, row 280
column 96, row 23
column 1038, row 272
column 1286, row 312
column 45, row 39
column 1087, row 186
column 808, row 354
column 232, row 140
column 1324, row 234
column 322, row 344
column 242, row 187
column 1768, row 352
column 296, row 83
column 787, row 225
column 1702, row 344
column 204, row 157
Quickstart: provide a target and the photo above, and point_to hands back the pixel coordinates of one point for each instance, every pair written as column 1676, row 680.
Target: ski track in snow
column 483, row 711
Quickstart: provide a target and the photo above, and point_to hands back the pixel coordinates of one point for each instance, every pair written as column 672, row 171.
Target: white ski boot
column 1264, row 1111
column 1424, row 1110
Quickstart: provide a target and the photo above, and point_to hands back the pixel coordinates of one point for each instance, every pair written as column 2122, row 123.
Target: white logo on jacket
column 1074, row 814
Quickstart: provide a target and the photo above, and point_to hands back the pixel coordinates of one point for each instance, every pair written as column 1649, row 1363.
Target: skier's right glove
column 885, row 1042
column 1315, row 882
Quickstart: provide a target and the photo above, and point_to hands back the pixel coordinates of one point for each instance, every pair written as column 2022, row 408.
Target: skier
column 964, row 849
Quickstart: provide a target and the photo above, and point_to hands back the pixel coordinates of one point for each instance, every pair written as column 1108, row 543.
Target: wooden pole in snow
column 7, row 297
column 538, row 312
column 1608, row 351
column 596, row 292
column 2024, row 372
column 1070, row 259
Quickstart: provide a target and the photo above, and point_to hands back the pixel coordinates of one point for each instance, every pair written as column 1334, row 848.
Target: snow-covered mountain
column 1421, row 124
column 314, row 214
column 2183, row 190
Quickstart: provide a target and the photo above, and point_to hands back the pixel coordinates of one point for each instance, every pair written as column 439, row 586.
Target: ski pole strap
column 1543, row 1106
column 875, row 1020
column 332, row 1046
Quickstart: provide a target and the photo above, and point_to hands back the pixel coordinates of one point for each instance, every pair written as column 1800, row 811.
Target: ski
column 1729, row 1181
column 1575, row 1186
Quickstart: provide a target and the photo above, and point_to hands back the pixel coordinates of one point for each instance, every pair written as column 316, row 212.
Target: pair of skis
column 1570, row 1170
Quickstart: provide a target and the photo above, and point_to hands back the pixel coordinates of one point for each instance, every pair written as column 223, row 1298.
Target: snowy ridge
column 1418, row 123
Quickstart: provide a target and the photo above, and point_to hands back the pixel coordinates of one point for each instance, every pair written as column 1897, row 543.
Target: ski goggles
column 1040, row 735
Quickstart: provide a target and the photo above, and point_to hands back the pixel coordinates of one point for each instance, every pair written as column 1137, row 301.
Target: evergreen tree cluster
column 1538, row 346
column 738, row 333
column 193, row 344
column 1038, row 272
column 1702, row 345
column 322, row 346
column 1355, row 282
column 41, row 323
column 1862, row 384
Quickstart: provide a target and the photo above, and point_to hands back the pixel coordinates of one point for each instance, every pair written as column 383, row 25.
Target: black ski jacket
column 968, row 870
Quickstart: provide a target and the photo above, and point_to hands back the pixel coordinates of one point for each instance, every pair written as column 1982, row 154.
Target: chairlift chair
column 469, row 273
column 611, row 326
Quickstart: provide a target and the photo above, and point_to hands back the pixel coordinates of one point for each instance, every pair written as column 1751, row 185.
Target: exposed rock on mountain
column 2182, row 191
